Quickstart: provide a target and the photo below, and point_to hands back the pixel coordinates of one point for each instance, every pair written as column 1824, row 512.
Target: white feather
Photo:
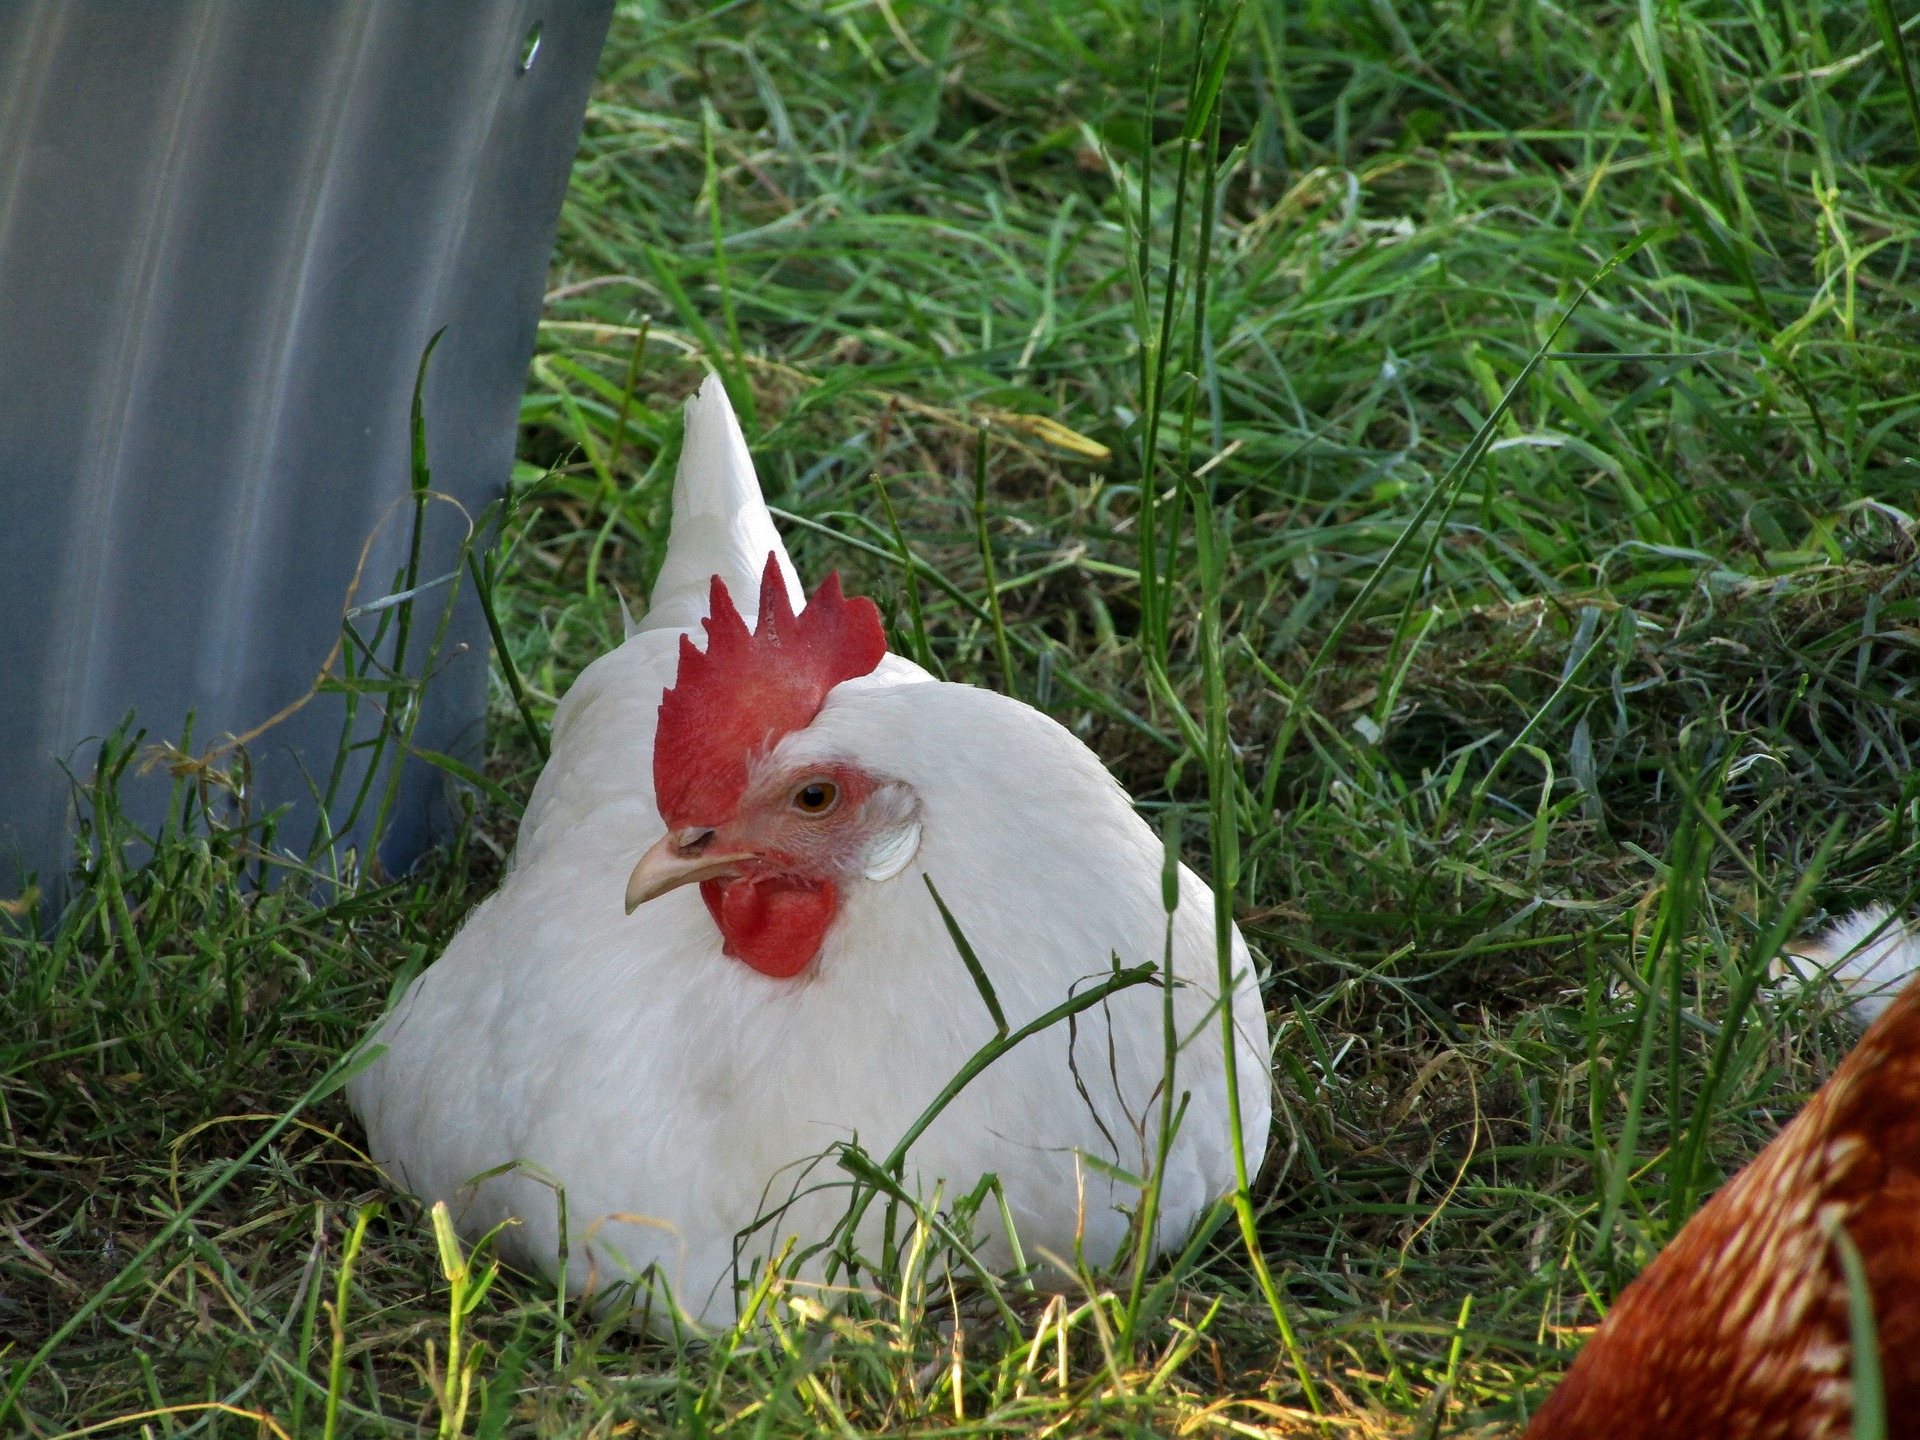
column 1869, row 954
column 676, row 1094
column 720, row 523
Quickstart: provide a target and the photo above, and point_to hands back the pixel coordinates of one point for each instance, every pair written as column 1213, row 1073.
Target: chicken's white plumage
column 1869, row 954
column 676, row 1093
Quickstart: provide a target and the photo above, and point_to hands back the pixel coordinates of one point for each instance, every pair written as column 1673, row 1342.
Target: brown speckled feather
column 1739, row 1331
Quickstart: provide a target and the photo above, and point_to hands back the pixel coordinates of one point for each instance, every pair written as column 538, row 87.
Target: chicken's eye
column 816, row 797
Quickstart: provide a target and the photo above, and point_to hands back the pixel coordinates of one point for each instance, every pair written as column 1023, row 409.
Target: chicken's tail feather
column 1871, row 954
column 721, row 525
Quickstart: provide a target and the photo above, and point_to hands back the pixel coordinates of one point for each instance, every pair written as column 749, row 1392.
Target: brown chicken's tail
column 1744, row 1326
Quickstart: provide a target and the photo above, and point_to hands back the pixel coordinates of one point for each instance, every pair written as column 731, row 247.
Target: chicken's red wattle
column 775, row 924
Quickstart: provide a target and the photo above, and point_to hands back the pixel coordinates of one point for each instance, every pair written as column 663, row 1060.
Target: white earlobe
column 892, row 852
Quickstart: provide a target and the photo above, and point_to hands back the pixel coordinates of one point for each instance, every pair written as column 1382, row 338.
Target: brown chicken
column 1740, row 1329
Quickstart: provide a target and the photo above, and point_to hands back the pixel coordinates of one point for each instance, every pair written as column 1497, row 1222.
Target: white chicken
column 670, row 1042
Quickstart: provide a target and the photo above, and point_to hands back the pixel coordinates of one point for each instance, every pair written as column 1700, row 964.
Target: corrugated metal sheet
column 227, row 230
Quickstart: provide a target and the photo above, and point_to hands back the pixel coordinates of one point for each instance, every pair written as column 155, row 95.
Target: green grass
column 1518, row 769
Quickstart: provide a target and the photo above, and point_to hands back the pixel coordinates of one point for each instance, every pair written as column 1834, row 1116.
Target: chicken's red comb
column 735, row 701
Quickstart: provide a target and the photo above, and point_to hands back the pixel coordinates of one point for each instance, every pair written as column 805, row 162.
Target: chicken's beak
column 680, row 857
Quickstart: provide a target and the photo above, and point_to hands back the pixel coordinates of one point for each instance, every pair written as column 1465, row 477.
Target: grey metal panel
column 227, row 231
